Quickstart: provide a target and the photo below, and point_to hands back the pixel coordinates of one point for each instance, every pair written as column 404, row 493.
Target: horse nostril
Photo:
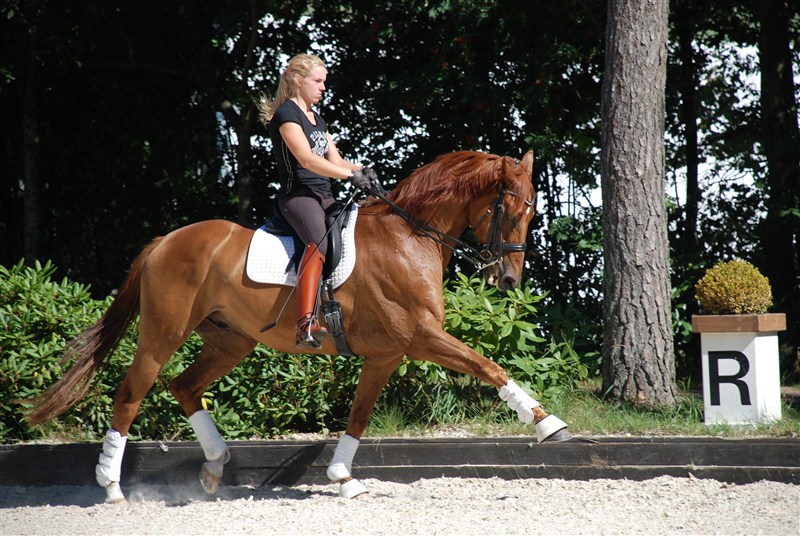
column 509, row 282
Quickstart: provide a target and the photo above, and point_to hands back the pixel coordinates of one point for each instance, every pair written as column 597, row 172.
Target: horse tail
column 90, row 349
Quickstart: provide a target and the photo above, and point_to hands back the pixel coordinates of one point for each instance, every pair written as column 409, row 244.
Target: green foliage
column 271, row 393
column 37, row 317
column 497, row 326
column 504, row 327
column 567, row 268
column 734, row 287
column 686, row 342
column 389, row 420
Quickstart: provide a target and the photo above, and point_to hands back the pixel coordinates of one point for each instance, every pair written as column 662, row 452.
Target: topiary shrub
column 734, row 287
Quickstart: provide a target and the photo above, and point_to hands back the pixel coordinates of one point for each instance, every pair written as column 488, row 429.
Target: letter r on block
column 715, row 378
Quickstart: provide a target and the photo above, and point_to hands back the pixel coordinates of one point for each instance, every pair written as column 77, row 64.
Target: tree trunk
column 245, row 126
column 780, row 139
column 638, row 354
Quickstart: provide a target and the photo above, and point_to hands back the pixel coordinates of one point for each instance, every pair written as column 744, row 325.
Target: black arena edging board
column 260, row 463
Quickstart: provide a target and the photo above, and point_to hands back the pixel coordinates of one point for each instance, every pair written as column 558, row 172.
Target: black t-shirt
column 291, row 174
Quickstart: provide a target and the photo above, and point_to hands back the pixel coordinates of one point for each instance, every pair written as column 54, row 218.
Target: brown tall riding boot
column 309, row 334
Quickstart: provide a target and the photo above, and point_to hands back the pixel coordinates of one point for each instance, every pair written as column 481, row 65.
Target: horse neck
column 448, row 216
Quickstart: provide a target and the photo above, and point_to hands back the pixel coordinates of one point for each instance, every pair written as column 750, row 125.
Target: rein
column 481, row 257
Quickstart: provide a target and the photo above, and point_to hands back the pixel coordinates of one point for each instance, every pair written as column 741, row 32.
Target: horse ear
column 527, row 162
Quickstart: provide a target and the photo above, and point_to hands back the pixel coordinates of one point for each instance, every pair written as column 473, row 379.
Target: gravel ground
column 664, row 505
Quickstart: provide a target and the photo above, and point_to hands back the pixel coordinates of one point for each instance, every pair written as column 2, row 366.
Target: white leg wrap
column 109, row 466
column 207, row 434
column 342, row 462
column 519, row 401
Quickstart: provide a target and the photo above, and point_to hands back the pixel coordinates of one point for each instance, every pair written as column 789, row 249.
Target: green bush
column 37, row 317
column 734, row 287
column 271, row 393
column 506, row 328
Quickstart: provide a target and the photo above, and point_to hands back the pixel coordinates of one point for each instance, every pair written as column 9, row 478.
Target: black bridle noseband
column 481, row 257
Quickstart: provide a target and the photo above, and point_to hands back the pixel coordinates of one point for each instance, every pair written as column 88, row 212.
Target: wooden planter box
column 741, row 375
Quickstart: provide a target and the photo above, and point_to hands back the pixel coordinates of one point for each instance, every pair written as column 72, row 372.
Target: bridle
column 481, row 256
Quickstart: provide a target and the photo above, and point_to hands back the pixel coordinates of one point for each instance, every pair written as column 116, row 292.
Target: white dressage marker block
column 741, row 378
column 741, row 374
column 740, row 363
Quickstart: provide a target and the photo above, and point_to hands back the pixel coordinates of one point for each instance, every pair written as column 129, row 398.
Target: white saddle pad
column 269, row 255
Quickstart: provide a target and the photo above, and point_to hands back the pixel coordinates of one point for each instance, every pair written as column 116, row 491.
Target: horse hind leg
column 109, row 466
column 141, row 376
column 222, row 351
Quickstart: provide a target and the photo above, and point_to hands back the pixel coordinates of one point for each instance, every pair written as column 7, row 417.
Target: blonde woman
column 307, row 161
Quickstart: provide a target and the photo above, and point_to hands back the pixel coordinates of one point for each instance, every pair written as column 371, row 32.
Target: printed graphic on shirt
column 319, row 142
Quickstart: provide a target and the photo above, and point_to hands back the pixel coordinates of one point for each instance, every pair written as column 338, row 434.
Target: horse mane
column 459, row 174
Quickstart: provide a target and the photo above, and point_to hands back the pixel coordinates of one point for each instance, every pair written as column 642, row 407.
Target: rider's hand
column 361, row 179
column 371, row 175
column 376, row 185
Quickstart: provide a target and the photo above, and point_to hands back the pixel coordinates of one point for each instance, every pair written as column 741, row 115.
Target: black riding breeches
column 305, row 212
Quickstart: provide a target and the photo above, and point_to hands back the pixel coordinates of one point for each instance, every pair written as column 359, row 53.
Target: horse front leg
column 431, row 343
column 548, row 427
column 374, row 374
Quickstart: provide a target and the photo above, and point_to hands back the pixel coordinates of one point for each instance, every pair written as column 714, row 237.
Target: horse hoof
column 561, row 435
column 548, row 428
column 114, row 494
column 210, row 476
column 352, row 489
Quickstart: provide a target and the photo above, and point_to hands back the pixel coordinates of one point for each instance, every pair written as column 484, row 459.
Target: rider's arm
column 296, row 141
column 333, row 155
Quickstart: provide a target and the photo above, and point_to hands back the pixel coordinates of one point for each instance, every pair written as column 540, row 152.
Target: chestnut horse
column 193, row 279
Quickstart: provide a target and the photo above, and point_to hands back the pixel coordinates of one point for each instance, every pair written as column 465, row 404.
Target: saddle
column 337, row 216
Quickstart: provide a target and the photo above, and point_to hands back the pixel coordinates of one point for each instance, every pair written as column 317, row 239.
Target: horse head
column 504, row 228
column 499, row 197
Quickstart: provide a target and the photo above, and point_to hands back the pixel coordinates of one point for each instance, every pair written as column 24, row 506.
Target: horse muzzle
column 499, row 276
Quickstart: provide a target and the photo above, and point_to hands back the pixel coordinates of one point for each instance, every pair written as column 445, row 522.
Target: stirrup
column 309, row 336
